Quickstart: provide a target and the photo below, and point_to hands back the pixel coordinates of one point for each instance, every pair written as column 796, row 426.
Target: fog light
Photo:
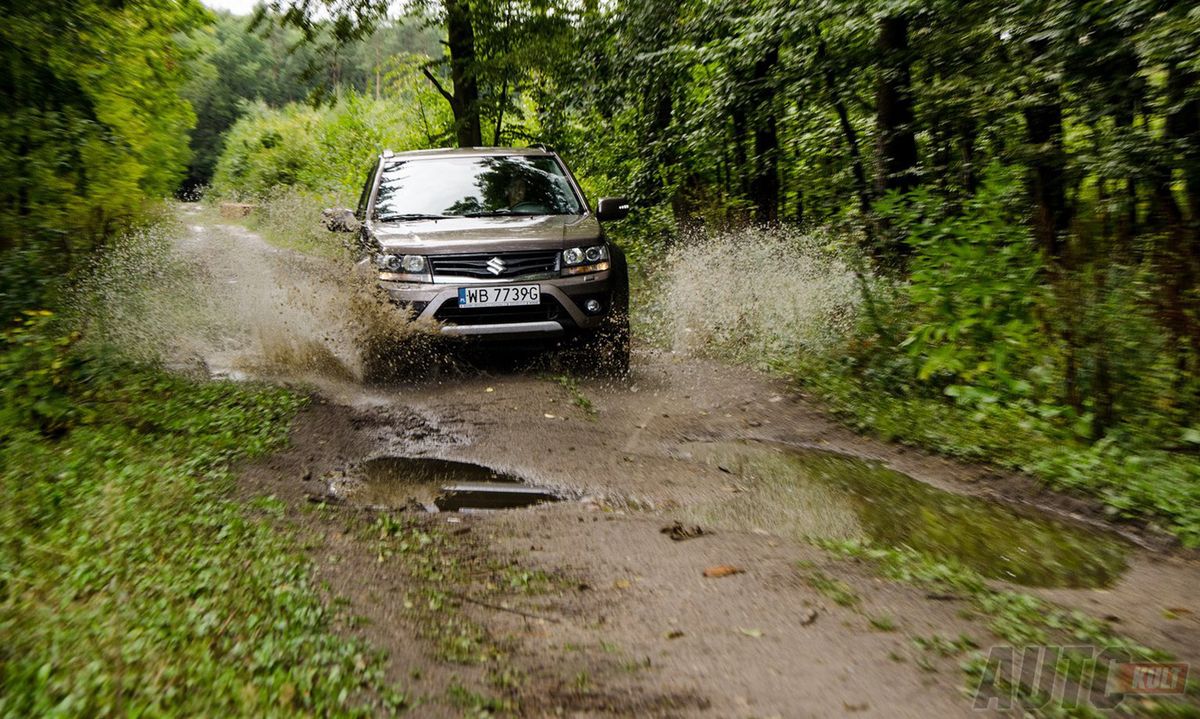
column 592, row 306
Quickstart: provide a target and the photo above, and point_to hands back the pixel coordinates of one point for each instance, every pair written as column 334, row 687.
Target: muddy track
column 626, row 623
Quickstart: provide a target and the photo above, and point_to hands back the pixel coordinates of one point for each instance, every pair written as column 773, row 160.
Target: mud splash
column 435, row 485
column 218, row 300
column 815, row 494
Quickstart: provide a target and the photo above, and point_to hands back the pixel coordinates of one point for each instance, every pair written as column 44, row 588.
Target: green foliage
column 40, row 377
column 91, row 120
column 130, row 581
column 236, row 64
column 321, row 150
column 973, row 287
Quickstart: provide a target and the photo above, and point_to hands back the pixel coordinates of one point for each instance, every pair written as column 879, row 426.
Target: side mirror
column 612, row 208
column 340, row 219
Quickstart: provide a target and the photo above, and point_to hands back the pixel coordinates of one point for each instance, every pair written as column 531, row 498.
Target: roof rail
column 541, row 146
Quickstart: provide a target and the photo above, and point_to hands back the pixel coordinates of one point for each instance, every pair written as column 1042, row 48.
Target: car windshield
column 474, row 187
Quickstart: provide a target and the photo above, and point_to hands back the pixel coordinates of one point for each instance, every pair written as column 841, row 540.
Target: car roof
column 468, row 152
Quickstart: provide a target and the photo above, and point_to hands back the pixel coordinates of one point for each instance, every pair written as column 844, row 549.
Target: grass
column 578, row 398
column 131, row 583
column 291, row 220
column 838, row 591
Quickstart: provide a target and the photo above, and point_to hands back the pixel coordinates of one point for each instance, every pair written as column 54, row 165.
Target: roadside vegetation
column 131, row 581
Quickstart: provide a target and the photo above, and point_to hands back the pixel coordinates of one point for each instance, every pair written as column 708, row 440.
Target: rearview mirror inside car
column 339, row 219
column 612, row 208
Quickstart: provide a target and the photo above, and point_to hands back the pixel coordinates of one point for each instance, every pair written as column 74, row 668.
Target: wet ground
column 577, row 479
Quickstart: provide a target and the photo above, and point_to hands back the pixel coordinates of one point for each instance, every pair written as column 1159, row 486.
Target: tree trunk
column 894, row 108
column 839, row 107
column 764, row 184
column 500, row 113
column 460, row 32
column 1183, row 128
column 1051, row 218
column 1181, row 258
column 738, row 116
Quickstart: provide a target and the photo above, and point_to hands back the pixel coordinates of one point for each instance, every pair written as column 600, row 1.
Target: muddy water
column 817, row 494
column 436, row 485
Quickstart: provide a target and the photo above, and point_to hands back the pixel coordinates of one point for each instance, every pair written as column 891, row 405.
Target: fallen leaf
column 808, row 617
column 548, row 415
column 674, row 634
column 721, row 570
column 490, row 389
column 754, row 633
column 622, row 584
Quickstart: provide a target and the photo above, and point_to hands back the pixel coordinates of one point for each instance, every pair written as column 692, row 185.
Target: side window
column 365, row 198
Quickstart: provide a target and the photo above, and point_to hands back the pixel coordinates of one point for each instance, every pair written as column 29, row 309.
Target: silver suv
column 496, row 244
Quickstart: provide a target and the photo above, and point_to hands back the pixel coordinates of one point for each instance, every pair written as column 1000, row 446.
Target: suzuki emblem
column 495, row 266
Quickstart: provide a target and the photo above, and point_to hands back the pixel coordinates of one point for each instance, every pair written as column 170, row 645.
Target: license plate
column 506, row 296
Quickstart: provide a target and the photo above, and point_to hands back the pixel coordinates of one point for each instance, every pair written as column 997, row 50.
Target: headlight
column 403, row 268
column 391, row 263
column 578, row 255
column 582, row 260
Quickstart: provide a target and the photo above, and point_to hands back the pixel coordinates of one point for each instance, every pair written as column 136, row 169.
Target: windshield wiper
column 410, row 216
column 501, row 213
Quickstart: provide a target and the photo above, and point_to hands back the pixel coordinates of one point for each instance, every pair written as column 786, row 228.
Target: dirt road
column 585, row 606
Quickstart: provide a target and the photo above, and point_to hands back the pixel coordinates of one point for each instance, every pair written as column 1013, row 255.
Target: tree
column 91, row 118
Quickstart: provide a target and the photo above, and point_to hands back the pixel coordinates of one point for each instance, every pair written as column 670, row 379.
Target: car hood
column 485, row 234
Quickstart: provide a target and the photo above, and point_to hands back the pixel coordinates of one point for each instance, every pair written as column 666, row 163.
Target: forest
column 980, row 220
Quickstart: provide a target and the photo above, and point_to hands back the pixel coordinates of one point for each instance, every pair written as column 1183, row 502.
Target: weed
column 838, row 591
column 578, row 398
column 883, row 623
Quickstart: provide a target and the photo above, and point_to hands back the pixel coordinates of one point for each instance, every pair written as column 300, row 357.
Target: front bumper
column 560, row 312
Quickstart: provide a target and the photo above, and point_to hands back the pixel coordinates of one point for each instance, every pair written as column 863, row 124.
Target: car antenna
column 541, row 146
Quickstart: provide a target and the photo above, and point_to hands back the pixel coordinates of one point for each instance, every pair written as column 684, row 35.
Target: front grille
column 450, row 313
column 515, row 264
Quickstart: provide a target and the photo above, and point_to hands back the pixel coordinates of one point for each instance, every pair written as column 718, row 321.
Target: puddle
column 809, row 493
column 436, row 485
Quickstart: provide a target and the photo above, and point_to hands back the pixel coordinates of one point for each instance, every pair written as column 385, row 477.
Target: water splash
column 216, row 298
column 756, row 292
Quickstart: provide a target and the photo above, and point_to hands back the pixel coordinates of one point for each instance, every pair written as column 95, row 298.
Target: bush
column 324, row 150
column 972, row 290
